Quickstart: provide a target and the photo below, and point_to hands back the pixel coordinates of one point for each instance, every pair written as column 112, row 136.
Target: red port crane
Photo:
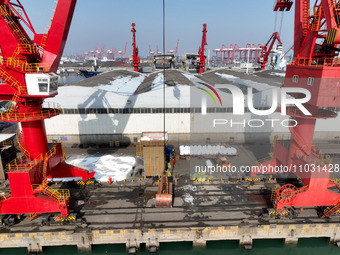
column 135, row 58
column 201, row 57
column 316, row 68
column 29, row 77
column 267, row 48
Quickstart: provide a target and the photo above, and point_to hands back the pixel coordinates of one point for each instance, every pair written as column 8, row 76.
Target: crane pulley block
column 283, row 5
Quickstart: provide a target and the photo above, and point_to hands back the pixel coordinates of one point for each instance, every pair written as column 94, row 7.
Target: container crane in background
column 219, row 52
column 135, row 58
column 111, row 54
column 235, row 53
column 151, row 53
column 28, row 72
column 201, row 57
column 122, row 52
column 94, row 53
column 267, row 48
column 158, row 52
column 316, row 68
column 174, row 51
column 102, row 52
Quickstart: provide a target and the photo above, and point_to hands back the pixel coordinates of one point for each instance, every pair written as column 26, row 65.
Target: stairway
column 273, row 195
column 44, row 38
column 12, row 21
column 10, row 80
column 299, row 141
column 20, row 139
column 332, row 209
column 336, row 182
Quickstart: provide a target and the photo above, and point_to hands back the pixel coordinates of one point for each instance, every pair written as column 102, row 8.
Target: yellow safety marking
column 123, row 231
column 136, row 231
column 305, row 226
column 331, row 225
column 179, row 230
column 166, row 230
column 207, row 229
column 109, row 232
column 32, row 234
column 95, row 232
column 48, row 234
column 318, row 225
column 279, row 226
column 266, row 227
column 292, row 226
column 3, row 236
column 234, row 227
column 331, row 36
column 220, row 228
column 18, row 235
column 62, row 233
column 151, row 230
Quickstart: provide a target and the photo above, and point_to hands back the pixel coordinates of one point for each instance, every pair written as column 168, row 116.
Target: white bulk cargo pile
column 197, row 150
column 116, row 167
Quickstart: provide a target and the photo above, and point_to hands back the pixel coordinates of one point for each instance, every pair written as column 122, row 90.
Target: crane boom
column 55, row 40
column 265, row 50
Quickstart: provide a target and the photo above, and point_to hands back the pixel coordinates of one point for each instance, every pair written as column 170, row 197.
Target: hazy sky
column 108, row 22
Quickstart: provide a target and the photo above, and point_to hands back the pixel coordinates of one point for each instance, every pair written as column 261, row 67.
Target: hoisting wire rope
column 281, row 23
column 275, row 21
column 164, row 128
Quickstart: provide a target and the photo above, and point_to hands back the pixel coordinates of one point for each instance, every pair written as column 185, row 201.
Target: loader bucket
column 164, row 194
column 164, row 200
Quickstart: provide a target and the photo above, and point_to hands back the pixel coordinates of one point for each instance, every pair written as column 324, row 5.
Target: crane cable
column 275, row 22
column 281, row 23
column 164, row 104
